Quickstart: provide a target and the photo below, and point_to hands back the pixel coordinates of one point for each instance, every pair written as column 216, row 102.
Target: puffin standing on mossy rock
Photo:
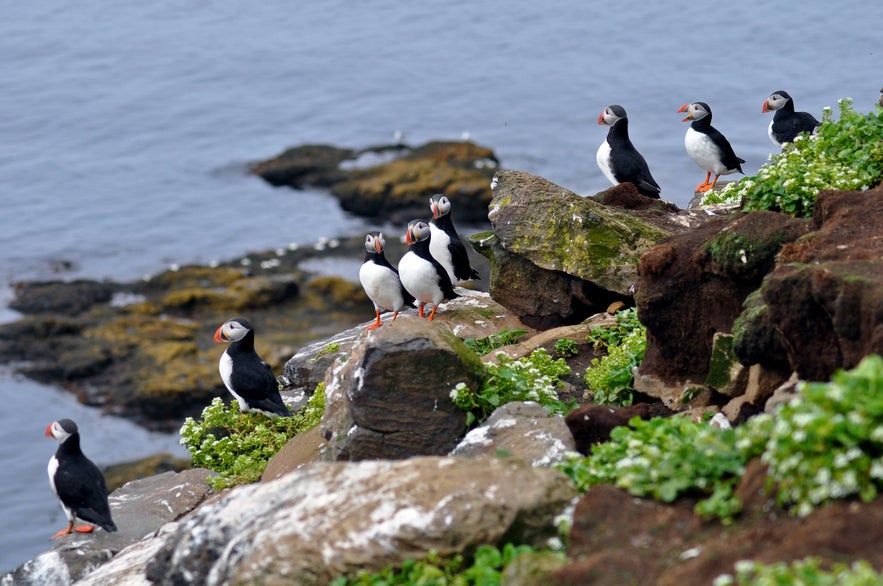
column 445, row 244
column 787, row 124
column 380, row 280
column 707, row 146
column 618, row 158
column 77, row 482
column 246, row 376
column 422, row 275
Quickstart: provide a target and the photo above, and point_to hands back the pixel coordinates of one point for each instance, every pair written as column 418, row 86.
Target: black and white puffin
column 380, row 280
column 618, row 158
column 445, row 244
column 787, row 123
column 421, row 274
column 707, row 146
column 246, row 376
column 77, row 482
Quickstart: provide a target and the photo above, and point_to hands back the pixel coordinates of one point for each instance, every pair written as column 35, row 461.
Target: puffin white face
column 775, row 101
column 61, row 429
column 695, row 111
column 374, row 242
column 611, row 115
column 440, row 205
column 232, row 330
column 417, row 230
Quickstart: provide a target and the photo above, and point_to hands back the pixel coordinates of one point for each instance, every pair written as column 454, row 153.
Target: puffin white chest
column 438, row 248
column 704, row 152
column 52, row 468
column 604, row 160
column 770, row 133
column 420, row 278
column 225, row 368
column 381, row 285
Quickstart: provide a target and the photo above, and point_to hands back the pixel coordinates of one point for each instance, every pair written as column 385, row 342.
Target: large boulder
column 390, row 397
column 821, row 308
column 333, row 518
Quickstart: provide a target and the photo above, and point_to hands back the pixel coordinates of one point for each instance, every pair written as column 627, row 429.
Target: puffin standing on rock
column 787, row 124
column 246, row 376
column 380, row 280
column 422, row 275
column 77, row 482
column 445, row 244
column 707, row 146
column 618, row 158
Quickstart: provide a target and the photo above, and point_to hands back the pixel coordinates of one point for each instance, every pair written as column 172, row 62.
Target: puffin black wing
column 254, row 381
column 462, row 268
column 81, row 488
column 788, row 127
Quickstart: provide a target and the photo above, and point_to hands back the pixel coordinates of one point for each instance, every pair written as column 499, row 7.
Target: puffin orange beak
column 377, row 246
column 408, row 240
column 433, row 205
column 49, row 430
column 685, row 108
column 766, row 106
column 601, row 118
column 220, row 336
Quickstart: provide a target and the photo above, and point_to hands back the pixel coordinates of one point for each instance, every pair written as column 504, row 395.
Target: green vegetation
column 329, row 348
column 486, row 570
column 807, row 572
column 533, row 378
column 239, row 445
column 846, row 155
column 566, row 347
column 482, row 346
column 825, row 444
column 610, row 377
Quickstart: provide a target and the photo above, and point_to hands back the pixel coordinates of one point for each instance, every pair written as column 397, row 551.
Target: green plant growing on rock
column 239, row 445
column 610, row 377
column 505, row 337
column 566, row 347
column 533, row 378
column 846, row 155
column 807, row 572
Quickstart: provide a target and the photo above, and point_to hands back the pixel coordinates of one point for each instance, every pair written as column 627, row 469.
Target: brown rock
column 592, row 424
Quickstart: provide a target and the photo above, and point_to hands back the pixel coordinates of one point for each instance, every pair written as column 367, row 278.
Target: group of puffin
column 435, row 261
column 621, row 162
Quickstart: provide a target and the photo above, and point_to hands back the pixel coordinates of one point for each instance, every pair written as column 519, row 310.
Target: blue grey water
column 125, row 128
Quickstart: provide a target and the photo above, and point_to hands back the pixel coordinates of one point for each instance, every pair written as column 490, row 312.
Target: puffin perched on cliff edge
column 618, row 158
column 77, row 481
column 246, row 376
column 380, row 280
column 787, row 124
column 445, row 244
column 707, row 146
column 422, row 275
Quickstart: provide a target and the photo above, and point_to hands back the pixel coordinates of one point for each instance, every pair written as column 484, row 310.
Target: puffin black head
column 695, row 111
column 778, row 99
column 440, row 205
column 374, row 242
column 611, row 115
column 61, row 429
column 233, row 330
column 418, row 231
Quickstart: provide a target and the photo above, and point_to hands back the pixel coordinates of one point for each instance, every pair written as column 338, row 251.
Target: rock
column 117, row 475
column 592, row 424
column 524, row 430
column 391, row 397
column 68, row 298
column 139, row 508
column 305, row 166
column 329, row 519
column 825, row 297
column 302, row 449
column 693, row 285
column 677, row 395
column 726, row 374
column 532, row 568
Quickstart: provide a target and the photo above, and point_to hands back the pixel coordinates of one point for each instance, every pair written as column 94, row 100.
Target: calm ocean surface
column 125, row 129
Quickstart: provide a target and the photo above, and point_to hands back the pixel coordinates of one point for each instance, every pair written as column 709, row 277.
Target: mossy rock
column 194, row 277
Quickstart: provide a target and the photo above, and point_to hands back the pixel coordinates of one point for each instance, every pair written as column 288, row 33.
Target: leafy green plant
column 566, row 347
column 329, row 348
column 666, row 458
column 807, row 572
column 846, row 154
column 482, row 346
column 486, row 569
column 828, row 443
column 533, row 378
column 610, row 377
column 239, row 445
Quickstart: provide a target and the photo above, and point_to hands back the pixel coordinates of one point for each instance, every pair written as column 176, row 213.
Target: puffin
column 445, row 244
column 380, row 280
column 618, row 158
column 422, row 275
column 246, row 376
column 707, row 146
column 77, row 482
column 787, row 123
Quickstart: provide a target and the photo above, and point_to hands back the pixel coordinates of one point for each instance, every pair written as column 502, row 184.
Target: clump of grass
column 610, row 378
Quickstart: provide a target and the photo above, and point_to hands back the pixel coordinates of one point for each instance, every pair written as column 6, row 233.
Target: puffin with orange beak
column 380, row 280
column 248, row 378
column 787, row 124
column 618, row 158
column 422, row 275
column 707, row 146
column 445, row 244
